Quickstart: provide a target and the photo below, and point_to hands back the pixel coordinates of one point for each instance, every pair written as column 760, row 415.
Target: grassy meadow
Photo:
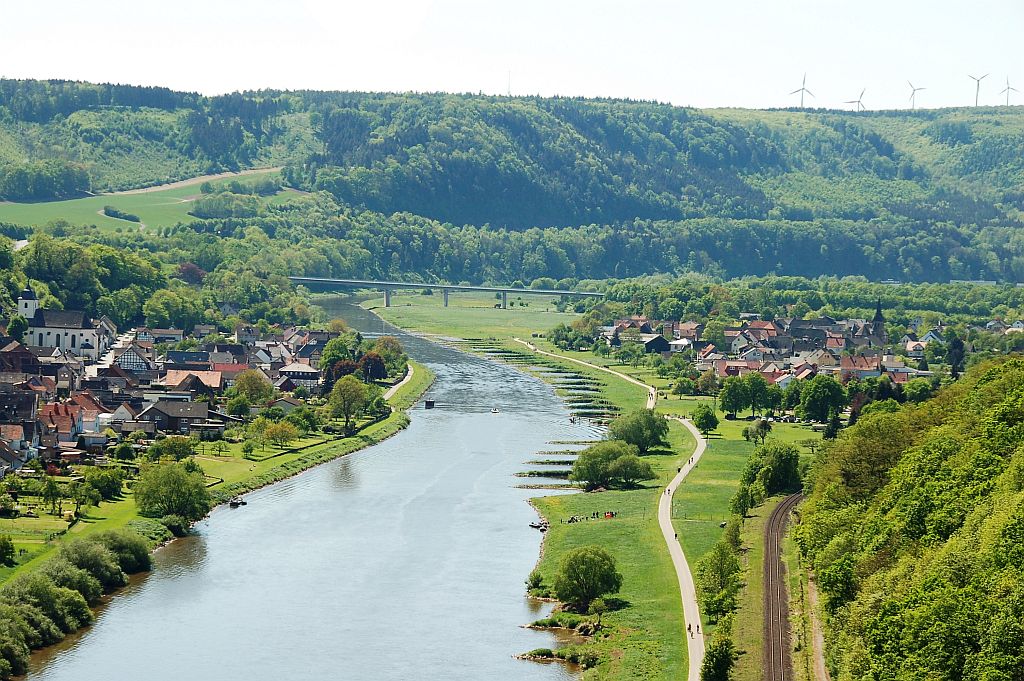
column 157, row 208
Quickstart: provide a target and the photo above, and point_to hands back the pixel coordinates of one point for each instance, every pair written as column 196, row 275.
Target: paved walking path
column 687, row 590
column 390, row 392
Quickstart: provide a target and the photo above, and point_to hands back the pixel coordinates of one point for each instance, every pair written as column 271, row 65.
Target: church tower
column 878, row 323
column 28, row 303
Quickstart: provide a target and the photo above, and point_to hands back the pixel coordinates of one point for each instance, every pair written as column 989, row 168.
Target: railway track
column 778, row 662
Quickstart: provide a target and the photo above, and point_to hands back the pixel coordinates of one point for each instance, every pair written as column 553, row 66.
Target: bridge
column 389, row 286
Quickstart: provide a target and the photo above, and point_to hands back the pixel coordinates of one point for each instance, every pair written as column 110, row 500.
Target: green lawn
column 470, row 315
column 647, row 639
column 155, row 209
column 748, row 623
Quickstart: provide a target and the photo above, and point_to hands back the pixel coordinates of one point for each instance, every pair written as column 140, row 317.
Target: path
column 652, row 393
column 820, row 670
column 777, row 658
column 687, row 590
column 390, row 392
column 193, row 180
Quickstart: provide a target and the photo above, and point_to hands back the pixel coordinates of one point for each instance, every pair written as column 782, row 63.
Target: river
column 405, row 560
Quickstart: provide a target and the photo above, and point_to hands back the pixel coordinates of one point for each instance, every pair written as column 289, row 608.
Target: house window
column 72, row 340
column 58, row 341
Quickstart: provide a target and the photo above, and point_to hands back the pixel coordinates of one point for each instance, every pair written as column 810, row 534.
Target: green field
column 470, row 315
column 155, row 208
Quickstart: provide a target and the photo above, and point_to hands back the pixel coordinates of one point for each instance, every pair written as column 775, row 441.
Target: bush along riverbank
column 41, row 607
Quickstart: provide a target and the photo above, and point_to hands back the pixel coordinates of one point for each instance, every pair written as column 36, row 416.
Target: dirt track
column 193, row 180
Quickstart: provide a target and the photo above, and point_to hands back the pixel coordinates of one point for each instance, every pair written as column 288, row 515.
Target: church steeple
column 878, row 318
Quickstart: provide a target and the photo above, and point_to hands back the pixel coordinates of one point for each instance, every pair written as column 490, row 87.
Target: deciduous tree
column 585, row 574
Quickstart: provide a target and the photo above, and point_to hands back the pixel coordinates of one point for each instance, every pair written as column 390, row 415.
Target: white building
column 70, row 330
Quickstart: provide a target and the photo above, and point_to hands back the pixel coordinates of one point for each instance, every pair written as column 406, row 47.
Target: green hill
column 644, row 187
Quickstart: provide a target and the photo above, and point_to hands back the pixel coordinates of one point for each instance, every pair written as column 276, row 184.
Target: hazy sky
column 711, row 53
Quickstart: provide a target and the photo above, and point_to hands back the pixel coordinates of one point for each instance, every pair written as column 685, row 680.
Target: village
column 74, row 387
column 784, row 350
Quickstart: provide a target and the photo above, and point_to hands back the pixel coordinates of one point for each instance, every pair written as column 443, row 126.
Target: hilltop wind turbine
column 859, row 101
column 977, row 86
column 1006, row 91
column 913, row 94
column 802, row 89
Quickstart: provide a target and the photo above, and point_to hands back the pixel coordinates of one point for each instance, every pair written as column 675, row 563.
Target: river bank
column 641, row 639
column 651, row 649
column 367, row 551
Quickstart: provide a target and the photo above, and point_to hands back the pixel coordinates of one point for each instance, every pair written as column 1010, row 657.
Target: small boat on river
column 236, row 502
column 494, row 410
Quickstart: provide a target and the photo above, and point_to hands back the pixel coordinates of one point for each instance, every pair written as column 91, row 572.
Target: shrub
column 7, row 553
column 62, row 573
column 97, row 560
column 534, row 580
column 129, row 549
column 177, row 525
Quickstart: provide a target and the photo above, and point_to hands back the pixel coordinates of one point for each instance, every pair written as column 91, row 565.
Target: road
column 778, row 663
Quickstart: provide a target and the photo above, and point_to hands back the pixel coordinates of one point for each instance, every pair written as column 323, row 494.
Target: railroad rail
column 778, row 661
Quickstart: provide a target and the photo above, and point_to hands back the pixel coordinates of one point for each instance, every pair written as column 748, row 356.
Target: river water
column 405, row 560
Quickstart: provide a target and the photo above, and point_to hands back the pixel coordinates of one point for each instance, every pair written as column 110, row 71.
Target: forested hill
column 523, row 162
column 915, row 529
column 918, row 196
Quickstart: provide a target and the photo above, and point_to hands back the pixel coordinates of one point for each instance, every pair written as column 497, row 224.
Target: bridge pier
column 387, row 297
column 446, row 297
column 504, row 300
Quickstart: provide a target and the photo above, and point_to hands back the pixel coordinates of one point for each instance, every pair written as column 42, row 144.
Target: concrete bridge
column 389, row 286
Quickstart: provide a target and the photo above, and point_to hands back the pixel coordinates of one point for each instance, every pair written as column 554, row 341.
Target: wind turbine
column 977, row 86
column 1008, row 90
column 859, row 101
column 913, row 94
column 803, row 89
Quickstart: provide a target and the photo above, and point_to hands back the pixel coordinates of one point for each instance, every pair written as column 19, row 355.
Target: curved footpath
column 390, row 392
column 687, row 590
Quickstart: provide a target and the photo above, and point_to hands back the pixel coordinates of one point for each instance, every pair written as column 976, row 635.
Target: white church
column 70, row 330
